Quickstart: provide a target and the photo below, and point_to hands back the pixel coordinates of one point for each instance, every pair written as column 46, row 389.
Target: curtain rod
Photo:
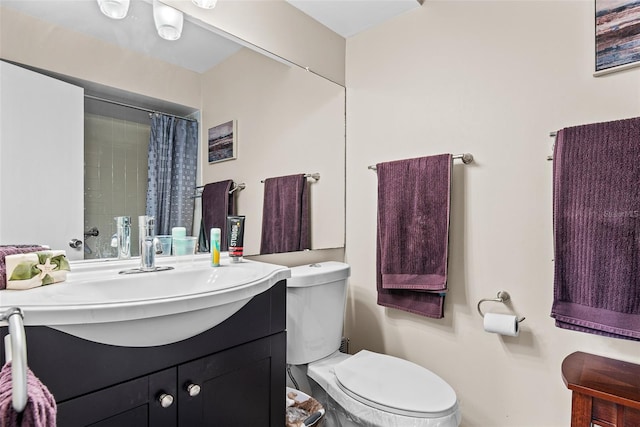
column 135, row 107
column 465, row 157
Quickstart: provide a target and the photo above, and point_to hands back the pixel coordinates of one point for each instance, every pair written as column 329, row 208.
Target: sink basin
column 147, row 309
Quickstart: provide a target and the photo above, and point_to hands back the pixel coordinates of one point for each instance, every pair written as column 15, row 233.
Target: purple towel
column 13, row 250
column 285, row 215
column 596, row 211
column 413, row 234
column 217, row 204
column 41, row 406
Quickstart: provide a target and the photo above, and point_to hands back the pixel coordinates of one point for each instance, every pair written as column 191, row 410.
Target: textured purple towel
column 41, row 406
column 596, row 211
column 13, row 250
column 413, row 234
column 217, row 204
column 285, row 215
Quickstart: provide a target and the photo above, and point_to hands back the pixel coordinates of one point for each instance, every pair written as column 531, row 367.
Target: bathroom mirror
column 288, row 120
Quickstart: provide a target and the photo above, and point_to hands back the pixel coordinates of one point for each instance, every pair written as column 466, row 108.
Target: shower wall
column 115, row 177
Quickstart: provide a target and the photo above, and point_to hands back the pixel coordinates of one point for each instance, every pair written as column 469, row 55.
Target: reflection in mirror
column 288, row 121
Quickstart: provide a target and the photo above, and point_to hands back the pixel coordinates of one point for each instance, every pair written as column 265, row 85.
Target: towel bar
column 18, row 350
column 236, row 187
column 552, row 135
column 465, row 157
column 503, row 296
column 315, row 176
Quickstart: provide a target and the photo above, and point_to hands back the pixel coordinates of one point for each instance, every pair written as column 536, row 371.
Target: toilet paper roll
column 503, row 324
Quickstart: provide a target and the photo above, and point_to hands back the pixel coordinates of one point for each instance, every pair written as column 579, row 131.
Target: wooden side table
column 605, row 392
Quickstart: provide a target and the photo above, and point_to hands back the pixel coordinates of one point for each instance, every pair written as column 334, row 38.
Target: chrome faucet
column 122, row 238
column 149, row 245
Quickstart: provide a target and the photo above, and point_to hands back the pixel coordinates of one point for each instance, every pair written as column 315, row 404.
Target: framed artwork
column 617, row 35
column 223, row 143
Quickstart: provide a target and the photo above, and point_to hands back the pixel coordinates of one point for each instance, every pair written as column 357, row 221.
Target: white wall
column 492, row 78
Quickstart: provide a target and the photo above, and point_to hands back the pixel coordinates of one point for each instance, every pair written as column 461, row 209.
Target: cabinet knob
column 165, row 400
column 193, row 390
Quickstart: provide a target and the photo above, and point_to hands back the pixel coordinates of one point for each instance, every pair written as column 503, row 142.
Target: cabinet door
column 131, row 404
column 41, row 172
column 237, row 387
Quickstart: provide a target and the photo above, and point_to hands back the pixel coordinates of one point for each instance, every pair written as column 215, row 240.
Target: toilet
column 364, row 389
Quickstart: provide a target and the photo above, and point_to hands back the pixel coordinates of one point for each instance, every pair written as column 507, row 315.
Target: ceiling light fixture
column 114, row 9
column 205, row 4
column 168, row 21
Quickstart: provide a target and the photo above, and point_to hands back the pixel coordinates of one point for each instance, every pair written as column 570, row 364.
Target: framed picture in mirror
column 617, row 35
column 223, row 144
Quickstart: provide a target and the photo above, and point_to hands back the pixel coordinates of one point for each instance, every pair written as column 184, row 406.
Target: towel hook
column 18, row 339
column 503, row 297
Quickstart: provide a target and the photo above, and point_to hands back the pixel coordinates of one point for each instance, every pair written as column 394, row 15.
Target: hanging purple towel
column 285, row 215
column 14, row 250
column 41, row 406
column 413, row 234
column 596, row 212
column 217, row 204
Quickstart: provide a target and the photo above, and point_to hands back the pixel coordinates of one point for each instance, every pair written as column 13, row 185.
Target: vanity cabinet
column 230, row 375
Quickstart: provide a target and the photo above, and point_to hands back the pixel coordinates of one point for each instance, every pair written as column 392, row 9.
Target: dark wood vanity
column 230, row 375
column 606, row 392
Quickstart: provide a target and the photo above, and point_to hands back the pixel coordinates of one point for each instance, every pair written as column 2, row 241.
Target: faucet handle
column 157, row 246
column 146, row 221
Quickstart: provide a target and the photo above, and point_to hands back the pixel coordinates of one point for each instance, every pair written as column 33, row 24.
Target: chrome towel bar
column 314, row 176
column 465, row 157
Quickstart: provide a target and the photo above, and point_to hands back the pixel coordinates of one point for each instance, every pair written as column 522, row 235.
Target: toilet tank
column 316, row 299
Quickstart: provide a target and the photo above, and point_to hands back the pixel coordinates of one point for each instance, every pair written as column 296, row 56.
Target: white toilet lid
column 395, row 385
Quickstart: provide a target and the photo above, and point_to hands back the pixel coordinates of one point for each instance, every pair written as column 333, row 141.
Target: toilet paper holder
column 503, row 297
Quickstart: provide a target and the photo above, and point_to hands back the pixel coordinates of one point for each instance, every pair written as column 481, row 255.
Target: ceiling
column 137, row 30
column 349, row 17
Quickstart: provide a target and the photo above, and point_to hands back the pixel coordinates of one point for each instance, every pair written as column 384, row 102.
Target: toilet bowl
column 365, row 389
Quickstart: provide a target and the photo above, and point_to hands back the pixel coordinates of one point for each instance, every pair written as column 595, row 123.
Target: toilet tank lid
column 318, row 274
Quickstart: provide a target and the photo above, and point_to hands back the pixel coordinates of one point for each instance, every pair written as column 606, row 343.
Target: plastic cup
column 166, row 242
column 184, row 245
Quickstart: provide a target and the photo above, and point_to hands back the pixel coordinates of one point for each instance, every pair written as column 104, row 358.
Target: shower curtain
column 173, row 150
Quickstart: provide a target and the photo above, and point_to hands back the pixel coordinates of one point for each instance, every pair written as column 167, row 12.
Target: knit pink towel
column 41, row 406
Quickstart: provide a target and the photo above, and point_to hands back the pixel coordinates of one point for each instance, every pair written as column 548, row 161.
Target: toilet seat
column 394, row 385
column 380, row 410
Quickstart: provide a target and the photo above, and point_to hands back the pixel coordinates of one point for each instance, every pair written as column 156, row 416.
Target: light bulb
column 114, row 9
column 205, row 4
column 168, row 21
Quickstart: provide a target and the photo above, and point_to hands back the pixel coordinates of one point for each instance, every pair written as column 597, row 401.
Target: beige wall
column 288, row 121
column 39, row 44
column 492, row 78
column 279, row 28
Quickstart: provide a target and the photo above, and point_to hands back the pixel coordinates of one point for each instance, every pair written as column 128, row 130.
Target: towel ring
column 503, row 297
